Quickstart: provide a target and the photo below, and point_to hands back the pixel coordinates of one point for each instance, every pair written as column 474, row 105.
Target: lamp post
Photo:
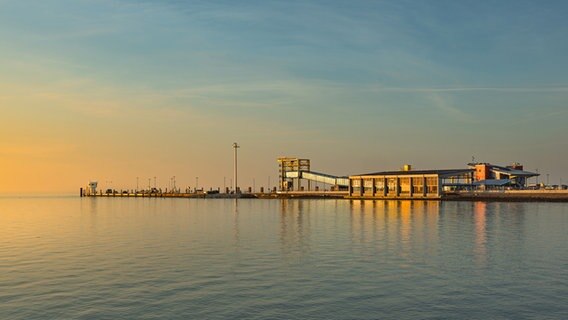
column 547, row 179
column 136, row 184
column 196, row 183
column 236, row 146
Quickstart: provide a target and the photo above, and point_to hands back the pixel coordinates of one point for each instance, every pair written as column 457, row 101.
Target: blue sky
column 354, row 85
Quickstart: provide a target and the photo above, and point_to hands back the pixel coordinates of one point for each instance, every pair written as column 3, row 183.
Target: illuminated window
column 391, row 184
column 417, row 185
column 379, row 184
column 432, row 184
column 368, row 185
column 405, row 185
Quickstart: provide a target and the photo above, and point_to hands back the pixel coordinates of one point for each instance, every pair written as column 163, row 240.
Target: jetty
column 480, row 181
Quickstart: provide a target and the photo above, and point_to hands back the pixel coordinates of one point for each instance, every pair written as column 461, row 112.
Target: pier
column 204, row 195
column 296, row 179
column 496, row 195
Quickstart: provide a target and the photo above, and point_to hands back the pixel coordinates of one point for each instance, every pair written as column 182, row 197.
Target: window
column 391, row 184
column 432, row 184
column 418, row 185
column 368, row 185
column 380, row 184
column 404, row 185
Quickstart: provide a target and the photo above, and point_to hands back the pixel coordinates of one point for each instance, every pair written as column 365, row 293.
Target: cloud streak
column 532, row 89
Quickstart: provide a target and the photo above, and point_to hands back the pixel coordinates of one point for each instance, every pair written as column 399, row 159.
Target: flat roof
column 441, row 172
column 507, row 170
column 492, row 182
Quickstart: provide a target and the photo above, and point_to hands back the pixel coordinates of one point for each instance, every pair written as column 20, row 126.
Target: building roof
column 514, row 172
column 442, row 172
column 507, row 170
column 493, row 182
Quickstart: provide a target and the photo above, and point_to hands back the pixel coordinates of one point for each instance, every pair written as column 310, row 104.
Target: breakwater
column 510, row 195
column 506, row 195
column 251, row 195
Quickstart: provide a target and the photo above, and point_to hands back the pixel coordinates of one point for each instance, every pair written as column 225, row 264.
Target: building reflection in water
column 236, row 232
column 89, row 218
column 480, row 222
column 295, row 225
column 395, row 227
column 412, row 232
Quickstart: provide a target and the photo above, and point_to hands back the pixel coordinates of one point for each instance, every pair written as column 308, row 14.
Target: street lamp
column 236, row 146
column 547, row 179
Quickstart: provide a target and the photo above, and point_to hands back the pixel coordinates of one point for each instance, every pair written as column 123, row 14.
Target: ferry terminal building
column 436, row 184
column 409, row 184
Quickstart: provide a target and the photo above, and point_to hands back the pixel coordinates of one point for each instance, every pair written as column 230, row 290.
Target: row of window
column 379, row 182
column 404, row 185
column 415, row 190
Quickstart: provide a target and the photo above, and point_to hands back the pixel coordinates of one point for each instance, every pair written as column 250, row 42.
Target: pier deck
column 506, row 195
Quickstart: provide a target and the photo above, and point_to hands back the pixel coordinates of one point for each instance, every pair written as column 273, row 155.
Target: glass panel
column 405, row 185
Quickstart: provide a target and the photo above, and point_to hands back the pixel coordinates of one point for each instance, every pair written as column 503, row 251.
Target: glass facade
column 391, row 186
column 402, row 185
column 368, row 184
column 418, row 185
column 380, row 185
column 432, row 185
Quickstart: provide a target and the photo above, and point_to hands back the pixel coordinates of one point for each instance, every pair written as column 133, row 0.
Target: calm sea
column 105, row 258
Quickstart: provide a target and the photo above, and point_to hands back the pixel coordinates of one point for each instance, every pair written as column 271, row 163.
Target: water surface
column 117, row 258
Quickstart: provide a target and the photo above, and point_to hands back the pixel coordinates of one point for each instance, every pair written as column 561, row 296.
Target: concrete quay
column 252, row 195
column 496, row 195
column 510, row 195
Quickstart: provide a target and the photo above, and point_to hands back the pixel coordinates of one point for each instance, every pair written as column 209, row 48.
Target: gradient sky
column 112, row 90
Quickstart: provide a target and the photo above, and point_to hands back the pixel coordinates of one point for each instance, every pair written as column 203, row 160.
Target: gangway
column 318, row 177
column 297, row 169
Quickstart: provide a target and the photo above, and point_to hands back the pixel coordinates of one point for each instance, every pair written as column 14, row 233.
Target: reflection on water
column 281, row 259
column 236, row 223
column 294, row 228
column 479, row 212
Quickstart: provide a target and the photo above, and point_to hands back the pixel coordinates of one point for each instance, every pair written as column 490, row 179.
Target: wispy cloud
column 533, row 89
column 540, row 115
column 445, row 105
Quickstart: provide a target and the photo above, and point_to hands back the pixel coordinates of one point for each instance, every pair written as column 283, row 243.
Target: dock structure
column 491, row 176
column 481, row 181
column 409, row 184
column 291, row 172
column 240, row 195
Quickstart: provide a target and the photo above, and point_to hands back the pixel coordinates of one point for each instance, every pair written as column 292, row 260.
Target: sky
column 113, row 90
